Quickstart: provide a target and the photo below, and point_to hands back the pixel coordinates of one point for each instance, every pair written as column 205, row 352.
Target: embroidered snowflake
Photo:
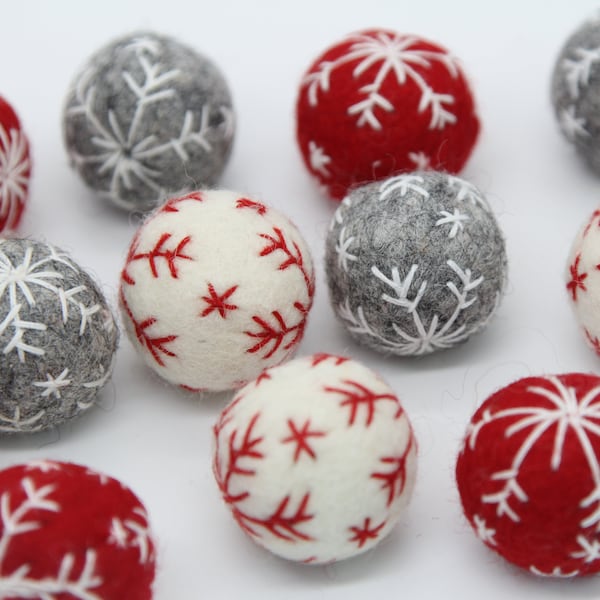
column 14, row 176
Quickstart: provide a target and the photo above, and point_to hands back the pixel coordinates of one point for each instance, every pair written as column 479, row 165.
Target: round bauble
column 415, row 263
column 15, row 168
column 148, row 117
column 529, row 474
column 575, row 91
column 316, row 459
column 70, row 532
column 216, row 288
column 378, row 103
column 57, row 337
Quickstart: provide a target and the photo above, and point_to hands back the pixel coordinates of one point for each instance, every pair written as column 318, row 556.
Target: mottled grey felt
column 58, row 337
column 576, row 91
column 415, row 264
column 146, row 118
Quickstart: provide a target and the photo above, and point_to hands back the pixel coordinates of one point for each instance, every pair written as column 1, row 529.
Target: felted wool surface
column 316, row 459
column 15, row 168
column 58, row 337
column 576, row 89
column 216, row 287
column 378, row 103
column 415, row 263
column 529, row 474
column 147, row 117
column 70, row 532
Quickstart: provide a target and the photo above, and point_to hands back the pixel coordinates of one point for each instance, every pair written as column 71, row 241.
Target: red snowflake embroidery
column 357, row 395
column 595, row 343
column 363, row 533
column 300, row 438
column 218, row 302
column 260, row 208
column 317, row 359
column 594, row 216
column 577, row 278
column 189, row 388
column 264, row 376
column 171, row 205
column 395, row 479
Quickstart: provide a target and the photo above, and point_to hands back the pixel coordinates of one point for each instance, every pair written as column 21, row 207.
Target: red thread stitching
column 394, row 480
column 577, row 278
column 300, row 438
column 594, row 341
column 317, row 359
column 260, row 208
column 171, row 205
column 218, row 301
column 363, row 533
column 595, row 214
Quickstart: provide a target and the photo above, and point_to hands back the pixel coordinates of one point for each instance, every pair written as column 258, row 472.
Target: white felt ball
column 316, row 459
column 216, row 288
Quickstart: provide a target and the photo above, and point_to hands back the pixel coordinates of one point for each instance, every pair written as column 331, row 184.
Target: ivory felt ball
column 415, row 263
column 147, row 117
column 15, row 168
column 378, row 103
column 316, row 459
column 529, row 474
column 58, row 337
column 216, row 287
column 67, row 531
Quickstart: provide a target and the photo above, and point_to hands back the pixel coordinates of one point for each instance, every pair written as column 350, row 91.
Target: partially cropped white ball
column 316, row 459
column 216, row 288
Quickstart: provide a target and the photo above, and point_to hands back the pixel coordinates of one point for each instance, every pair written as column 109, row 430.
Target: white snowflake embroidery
column 393, row 54
column 130, row 533
column 556, row 572
column 403, row 183
column 578, row 70
column 53, row 385
column 590, row 551
column 14, row 164
column 45, row 466
column 342, row 247
column 17, row 521
column 572, row 125
column 456, row 219
column 486, row 534
column 15, row 423
column 566, row 413
column 421, row 161
column 318, row 159
column 338, row 216
column 466, row 191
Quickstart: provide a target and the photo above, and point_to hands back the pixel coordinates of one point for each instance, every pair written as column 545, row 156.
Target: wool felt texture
column 70, row 532
column 378, row 103
column 415, row 264
column 216, row 287
column 147, row 117
column 15, row 169
column 316, row 459
column 583, row 280
column 576, row 90
column 529, row 474
column 58, row 337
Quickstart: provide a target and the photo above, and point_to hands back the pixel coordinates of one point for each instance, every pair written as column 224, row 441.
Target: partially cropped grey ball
column 415, row 264
column 58, row 337
column 576, row 91
column 146, row 118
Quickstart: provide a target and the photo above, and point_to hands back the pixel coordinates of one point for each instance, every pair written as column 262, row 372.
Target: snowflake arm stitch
column 14, row 168
column 403, row 183
column 578, row 70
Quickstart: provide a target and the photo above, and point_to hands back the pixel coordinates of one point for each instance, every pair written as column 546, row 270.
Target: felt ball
column 415, row 263
column 216, row 288
column 15, row 168
column 57, row 337
column 70, row 532
column 575, row 90
column 529, row 474
column 147, row 117
column 316, row 459
column 379, row 103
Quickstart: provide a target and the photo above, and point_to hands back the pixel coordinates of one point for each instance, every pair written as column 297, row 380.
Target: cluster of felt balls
column 216, row 290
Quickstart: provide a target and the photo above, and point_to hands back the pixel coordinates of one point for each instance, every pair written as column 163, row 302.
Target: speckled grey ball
column 415, row 264
column 58, row 337
column 148, row 117
column 576, row 91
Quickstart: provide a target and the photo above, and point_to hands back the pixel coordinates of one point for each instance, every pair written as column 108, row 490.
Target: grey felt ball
column 57, row 337
column 415, row 264
column 576, row 91
column 148, row 117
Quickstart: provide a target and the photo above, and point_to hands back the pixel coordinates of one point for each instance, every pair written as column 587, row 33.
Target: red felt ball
column 70, row 532
column 379, row 103
column 529, row 474
column 15, row 168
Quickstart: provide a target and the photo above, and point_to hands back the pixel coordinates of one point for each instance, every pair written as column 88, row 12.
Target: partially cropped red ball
column 15, row 168
column 529, row 474
column 379, row 103
column 70, row 532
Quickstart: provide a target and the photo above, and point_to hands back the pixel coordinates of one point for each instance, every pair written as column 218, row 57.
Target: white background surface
column 158, row 439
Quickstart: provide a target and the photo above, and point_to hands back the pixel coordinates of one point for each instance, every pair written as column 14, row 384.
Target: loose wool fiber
column 216, row 287
column 316, row 459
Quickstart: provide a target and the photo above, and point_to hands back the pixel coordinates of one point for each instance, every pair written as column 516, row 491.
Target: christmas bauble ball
column 216, row 288
column 147, row 117
column 415, row 263
column 529, row 474
column 70, row 532
column 15, row 168
column 575, row 90
column 57, row 337
column 379, row 103
column 316, row 459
